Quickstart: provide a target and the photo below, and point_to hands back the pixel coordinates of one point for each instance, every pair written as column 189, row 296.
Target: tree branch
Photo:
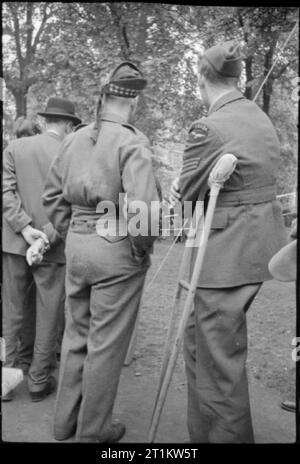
column 29, row 27
column 283, row 68
column 16, row 34
column 41, row 28
column 121, row 29
column 15, row 85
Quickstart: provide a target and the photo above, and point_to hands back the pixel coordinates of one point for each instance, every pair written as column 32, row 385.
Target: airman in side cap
column 247, row 230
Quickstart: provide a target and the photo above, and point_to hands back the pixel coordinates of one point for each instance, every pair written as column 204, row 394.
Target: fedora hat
column 60, row 108
column 282, row 265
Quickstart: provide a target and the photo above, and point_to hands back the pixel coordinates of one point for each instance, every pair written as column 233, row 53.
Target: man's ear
column 134, row 104
column 136, row 101
column 201, row 81
column 70, row 127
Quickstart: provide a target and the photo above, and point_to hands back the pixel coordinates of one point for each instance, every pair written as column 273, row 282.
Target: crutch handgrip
column 222, row 170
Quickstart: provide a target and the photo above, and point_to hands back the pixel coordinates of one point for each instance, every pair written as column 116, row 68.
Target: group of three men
column 105, row 274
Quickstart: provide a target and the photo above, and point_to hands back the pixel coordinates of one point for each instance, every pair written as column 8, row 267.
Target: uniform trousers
column 104, row 285
column 215, row 352
column 49, row 280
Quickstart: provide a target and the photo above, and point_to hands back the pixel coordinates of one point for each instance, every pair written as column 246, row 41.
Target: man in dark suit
column 25, row 127
column 105, row 269
column 25, row 165
column 247, row 230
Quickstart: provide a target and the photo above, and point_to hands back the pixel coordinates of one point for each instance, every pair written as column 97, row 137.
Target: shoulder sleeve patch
column 197, row 132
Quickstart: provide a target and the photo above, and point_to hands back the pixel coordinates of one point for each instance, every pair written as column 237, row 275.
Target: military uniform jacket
column 93, row 168
column 25, row 165
column 248, row 226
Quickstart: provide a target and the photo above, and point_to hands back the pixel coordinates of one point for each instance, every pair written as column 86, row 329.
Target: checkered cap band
column 118, row 91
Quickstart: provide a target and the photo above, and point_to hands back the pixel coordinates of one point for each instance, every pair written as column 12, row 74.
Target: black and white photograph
column 149, row 227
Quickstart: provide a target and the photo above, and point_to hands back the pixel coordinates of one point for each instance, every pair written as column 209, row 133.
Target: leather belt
column 88, row 216
column 82, row 214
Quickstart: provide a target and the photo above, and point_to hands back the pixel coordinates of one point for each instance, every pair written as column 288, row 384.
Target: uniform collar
column 113, row 117
column 106, row 116
column 229, row 97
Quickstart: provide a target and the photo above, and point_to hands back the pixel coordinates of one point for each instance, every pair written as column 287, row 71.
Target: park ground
column 271, row 328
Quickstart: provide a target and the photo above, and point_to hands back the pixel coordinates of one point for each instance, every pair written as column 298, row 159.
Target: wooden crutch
column 192, row 235
column 219, row 174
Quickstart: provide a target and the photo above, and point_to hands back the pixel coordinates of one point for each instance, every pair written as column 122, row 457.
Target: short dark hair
column 206, row 70
column 26, row 127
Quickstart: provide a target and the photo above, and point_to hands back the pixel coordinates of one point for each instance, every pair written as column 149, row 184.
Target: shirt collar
column 228, row 97
column 54, row 133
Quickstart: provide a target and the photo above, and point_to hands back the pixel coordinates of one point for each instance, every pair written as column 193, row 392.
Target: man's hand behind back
column 31, row 234
column 34, row 254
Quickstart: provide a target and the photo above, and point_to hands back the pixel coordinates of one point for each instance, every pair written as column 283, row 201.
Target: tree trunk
column 19, row 86
column 118, row 20
column 249, row 77
column 21, row 103
column 267, row 93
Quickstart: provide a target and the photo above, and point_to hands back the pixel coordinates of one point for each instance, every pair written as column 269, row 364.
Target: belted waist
column 246, row 197
column 88, row 217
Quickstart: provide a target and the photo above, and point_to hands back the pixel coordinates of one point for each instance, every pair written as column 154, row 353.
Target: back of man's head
column 54, row 121
column 214, row 78
column 123, row 87
column 60, row 125
column 221, row 65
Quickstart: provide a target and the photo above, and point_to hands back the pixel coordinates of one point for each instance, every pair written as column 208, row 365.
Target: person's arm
column 139, row 184
column 57, row 208
column 53, row 236
column 13, row 210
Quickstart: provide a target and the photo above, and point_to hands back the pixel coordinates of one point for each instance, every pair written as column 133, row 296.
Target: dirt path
column 24, row 421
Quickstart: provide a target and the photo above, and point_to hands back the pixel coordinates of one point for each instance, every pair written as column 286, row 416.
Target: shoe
column 288, row 406
column 113, row 434
column 8, row 397
column 60, row 436
column 41, row 395
column 24, row 368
